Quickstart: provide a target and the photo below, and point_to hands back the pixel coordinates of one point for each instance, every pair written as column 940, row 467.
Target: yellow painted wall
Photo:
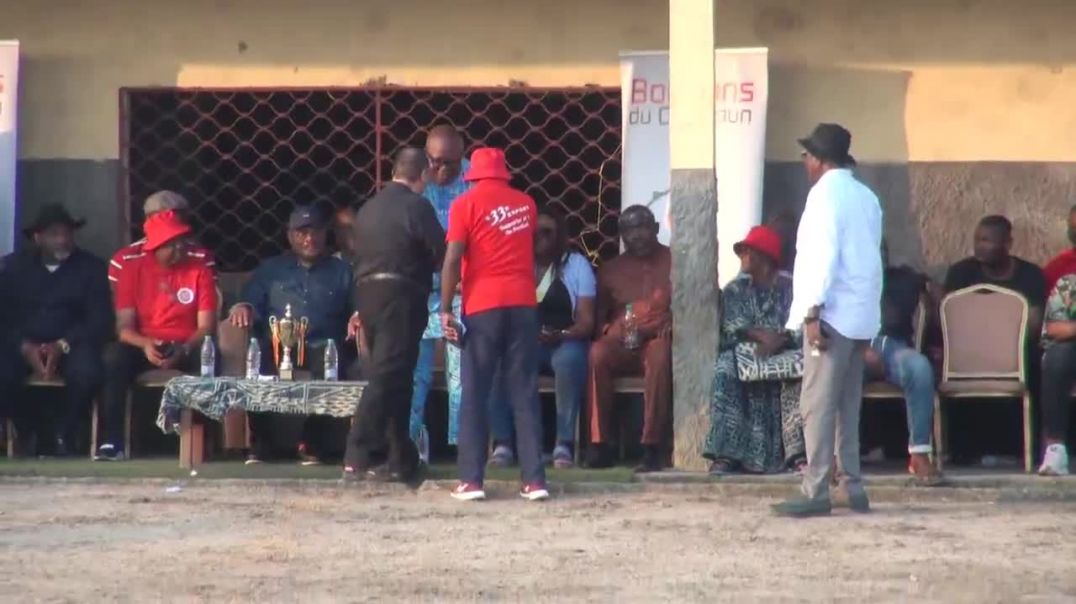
column 922, row 80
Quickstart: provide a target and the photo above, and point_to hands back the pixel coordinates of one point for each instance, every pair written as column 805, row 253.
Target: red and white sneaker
column 468, row 491
column 535, row 491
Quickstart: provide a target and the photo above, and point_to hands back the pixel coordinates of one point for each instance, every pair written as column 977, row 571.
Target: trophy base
column 287, row 375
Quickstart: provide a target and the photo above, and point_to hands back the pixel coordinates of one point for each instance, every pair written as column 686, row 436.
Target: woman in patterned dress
column 755, row 426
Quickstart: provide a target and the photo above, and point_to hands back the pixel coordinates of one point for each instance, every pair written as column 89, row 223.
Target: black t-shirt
column 1027, row 279
column 901, row 289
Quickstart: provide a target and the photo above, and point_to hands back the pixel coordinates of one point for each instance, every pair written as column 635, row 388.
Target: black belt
column 398, row 277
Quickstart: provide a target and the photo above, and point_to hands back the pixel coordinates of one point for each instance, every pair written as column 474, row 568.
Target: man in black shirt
column 398, row 245
column 994, row 264
column 59, row 315
column 892, row 357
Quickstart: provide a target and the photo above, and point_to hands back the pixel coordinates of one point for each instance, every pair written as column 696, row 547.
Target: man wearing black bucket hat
column 57, row 309
column 837, row 289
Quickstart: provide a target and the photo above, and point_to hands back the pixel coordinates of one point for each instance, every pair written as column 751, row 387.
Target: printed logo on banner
column 740, row 99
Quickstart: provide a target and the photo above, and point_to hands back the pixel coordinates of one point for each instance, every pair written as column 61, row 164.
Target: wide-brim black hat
column 830, row 142
column 50, row 215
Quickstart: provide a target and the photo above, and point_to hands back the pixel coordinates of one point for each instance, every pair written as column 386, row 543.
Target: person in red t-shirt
column 158, row 202
column 491, row 241
column 166, row 304
column 1065, row 262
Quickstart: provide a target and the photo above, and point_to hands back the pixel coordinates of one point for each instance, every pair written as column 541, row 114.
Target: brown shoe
column 924, row 472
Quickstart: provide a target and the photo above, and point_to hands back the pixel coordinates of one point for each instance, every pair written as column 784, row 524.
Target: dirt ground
column 234, row 543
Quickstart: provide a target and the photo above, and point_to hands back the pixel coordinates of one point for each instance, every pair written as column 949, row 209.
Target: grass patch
column 168, row 468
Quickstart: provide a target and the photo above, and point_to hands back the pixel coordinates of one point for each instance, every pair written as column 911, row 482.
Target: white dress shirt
column 838, row 257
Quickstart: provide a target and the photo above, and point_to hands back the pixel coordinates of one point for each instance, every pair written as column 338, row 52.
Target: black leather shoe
column 599, row 457
column 651, row 461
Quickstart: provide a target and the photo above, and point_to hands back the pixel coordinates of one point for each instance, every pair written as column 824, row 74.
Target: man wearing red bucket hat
column 491, row 240
column 166, row 304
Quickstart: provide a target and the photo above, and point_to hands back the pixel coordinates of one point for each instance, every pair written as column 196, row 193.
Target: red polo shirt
column 134, row 251
column 1061, row 265
column 166, row 300
column 497, row 224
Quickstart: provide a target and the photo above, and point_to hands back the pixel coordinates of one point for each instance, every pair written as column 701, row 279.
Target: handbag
column 785, row 365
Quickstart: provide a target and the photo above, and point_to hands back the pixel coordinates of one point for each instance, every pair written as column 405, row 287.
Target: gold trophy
column 287, row 333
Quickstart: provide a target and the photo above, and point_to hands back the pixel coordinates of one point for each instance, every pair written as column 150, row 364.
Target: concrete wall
column 958, row 107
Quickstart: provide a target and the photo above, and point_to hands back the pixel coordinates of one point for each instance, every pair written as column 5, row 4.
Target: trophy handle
column 274, row 331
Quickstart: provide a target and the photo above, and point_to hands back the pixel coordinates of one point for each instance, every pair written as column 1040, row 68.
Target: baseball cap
column 304, row 217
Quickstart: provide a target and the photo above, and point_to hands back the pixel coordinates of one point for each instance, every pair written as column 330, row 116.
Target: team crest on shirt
column 185, row 295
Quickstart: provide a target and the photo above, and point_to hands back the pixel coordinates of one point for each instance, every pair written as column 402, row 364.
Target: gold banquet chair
column 984, row 331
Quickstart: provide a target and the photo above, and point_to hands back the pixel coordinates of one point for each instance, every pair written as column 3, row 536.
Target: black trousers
column 123, row 363
column 82, row 372
column 317, row 429
column 394, row 314
column 1058, row 375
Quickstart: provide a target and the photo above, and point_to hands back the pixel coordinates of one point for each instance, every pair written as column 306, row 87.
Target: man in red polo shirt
column 491, row 238
column 160, row 201
column 1065, row 262
column 166, row 304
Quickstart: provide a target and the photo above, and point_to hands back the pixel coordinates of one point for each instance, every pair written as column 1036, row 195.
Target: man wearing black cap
column 317, row 286
column 836, row 301
column 58, row 313
column 398, row 246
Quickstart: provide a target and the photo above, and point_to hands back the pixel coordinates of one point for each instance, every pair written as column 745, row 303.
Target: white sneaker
column 1055, row 462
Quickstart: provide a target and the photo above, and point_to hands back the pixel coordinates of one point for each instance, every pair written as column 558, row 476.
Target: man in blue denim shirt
column 319, row 288
column 444, row 148
column 892, row 357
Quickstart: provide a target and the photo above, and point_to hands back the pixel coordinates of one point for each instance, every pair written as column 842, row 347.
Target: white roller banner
column 9, row 84
column 740, row 96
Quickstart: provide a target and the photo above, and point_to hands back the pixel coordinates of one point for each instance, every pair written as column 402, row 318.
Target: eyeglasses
column 438, row 162
column 547, row 231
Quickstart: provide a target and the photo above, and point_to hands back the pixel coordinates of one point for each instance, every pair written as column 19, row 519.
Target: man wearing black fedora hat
column 56, row 306
column 836, row 301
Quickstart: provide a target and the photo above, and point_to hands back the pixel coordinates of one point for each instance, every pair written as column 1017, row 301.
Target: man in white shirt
column 837, row 289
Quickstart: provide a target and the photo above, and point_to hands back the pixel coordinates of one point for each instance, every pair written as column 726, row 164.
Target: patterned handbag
column 785, row 365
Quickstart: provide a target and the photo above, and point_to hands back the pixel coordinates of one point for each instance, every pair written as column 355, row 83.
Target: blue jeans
column 909, row 370
column 568, row 361
column 424, row 374
column 500, row 349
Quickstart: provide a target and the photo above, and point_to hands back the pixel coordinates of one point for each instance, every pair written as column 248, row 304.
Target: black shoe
column 60, row 449
column 651, row 461
column 413, row 478
column 599, row 457
column 802, row 508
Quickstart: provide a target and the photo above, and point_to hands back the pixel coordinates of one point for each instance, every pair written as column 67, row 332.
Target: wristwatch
column 64, row 346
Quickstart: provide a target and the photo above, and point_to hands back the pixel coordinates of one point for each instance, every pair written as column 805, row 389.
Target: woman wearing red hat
column 755, row 423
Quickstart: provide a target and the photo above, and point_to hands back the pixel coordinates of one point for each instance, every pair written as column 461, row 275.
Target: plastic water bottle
column 254, row 359
column 332, row 362
column 631, row 329
column 209, row 357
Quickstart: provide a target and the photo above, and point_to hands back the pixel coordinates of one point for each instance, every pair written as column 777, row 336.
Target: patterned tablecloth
column 213, row 397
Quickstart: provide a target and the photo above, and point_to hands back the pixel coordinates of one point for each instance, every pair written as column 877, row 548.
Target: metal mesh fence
column 245, row 157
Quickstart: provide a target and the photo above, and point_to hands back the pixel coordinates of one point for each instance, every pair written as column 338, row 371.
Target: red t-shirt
column 1062, row 264
column 496, row 222
column 166, row 300
column 134, row 251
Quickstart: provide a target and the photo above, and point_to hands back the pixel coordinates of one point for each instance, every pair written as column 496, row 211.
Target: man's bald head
column 409, row 167
column 444, row 148
column 639, row 230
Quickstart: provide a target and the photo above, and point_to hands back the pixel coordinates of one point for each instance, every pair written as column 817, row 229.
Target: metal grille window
column 245, row 157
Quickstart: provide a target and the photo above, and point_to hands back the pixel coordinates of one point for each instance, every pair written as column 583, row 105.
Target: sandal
column 720, row 467
column 925, row 474
column 799, row 466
